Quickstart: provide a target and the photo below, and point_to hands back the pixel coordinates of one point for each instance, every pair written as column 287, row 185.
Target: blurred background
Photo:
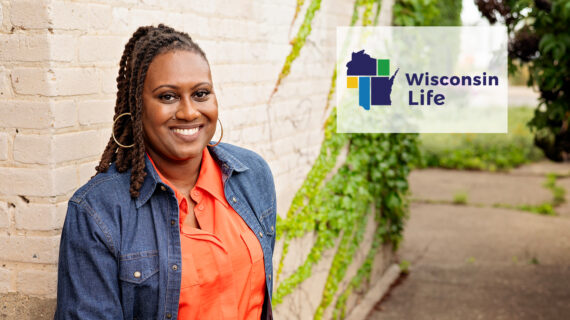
column 371, row 226
column 487, row 236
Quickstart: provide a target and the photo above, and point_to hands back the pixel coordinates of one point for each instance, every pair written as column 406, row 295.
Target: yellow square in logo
column 352, row 82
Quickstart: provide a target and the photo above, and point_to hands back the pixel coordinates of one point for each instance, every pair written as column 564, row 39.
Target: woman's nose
column 187, row 110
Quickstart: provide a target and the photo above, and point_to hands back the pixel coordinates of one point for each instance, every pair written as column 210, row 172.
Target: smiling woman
column 173, row 225
column 181, row 109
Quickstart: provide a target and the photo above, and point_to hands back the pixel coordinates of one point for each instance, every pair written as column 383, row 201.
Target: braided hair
column 145, row 44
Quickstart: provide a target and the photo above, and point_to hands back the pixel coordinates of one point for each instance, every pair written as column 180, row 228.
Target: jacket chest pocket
column 138, row 274
column 137, row 268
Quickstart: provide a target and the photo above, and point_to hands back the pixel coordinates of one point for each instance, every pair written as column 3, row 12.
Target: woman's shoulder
column 254, row 176
column 103, row 183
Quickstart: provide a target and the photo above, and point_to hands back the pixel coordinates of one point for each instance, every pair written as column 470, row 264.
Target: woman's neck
column 182, row 174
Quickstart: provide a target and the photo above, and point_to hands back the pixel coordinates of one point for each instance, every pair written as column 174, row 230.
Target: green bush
column 482, row 151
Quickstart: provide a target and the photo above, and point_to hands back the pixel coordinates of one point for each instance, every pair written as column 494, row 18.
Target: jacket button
column 137, row 274
column 163, row 188
column 261, row 234
column 168, row 315
column 234, row 199
column 272, row 228
column 172, row 222
column 174, row 267
column 269, row 277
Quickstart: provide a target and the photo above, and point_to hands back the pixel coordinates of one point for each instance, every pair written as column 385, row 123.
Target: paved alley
column 474, row 254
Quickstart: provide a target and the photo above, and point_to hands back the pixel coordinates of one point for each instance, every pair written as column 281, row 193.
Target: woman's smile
column 186, row 134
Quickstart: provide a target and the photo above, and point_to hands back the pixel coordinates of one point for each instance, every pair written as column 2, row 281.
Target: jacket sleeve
column 87, row 283
column 274, row 224
column 274, row 221
column 274, row 205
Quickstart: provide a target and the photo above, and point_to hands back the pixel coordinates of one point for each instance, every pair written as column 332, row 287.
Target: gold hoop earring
column 113, row 131
column 221, row 134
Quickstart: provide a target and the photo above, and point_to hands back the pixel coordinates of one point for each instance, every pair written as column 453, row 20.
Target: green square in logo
column 383, row 67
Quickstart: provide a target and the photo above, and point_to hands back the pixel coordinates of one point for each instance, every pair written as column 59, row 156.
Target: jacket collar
column 228, row 164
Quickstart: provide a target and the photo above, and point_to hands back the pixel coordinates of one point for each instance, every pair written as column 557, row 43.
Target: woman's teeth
column 186, row 132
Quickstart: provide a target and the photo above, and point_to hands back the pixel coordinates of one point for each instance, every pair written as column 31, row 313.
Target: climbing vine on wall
column 373, row 178
column 299, row 41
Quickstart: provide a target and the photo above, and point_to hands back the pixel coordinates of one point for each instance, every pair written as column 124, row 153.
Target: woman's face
column 180, row 109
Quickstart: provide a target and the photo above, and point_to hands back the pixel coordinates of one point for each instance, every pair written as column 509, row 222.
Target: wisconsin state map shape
column 372, row 89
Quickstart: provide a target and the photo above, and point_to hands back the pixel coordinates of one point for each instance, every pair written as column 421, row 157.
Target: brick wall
column 58, row 63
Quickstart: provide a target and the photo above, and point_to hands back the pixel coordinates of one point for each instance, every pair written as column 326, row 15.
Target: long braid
column 145, row 44
column 137, row 160
column 108, row 155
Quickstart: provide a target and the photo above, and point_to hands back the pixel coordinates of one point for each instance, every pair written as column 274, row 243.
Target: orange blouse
column 223, row 274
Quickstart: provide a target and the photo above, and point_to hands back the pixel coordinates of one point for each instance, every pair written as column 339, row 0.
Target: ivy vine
column 372, row 178
column 299, row 41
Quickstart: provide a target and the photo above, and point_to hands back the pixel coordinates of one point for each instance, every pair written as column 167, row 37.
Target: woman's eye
column 202, row 94
column 168, row 97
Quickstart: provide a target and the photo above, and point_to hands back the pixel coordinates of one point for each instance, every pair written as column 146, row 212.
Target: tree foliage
column 539, row 38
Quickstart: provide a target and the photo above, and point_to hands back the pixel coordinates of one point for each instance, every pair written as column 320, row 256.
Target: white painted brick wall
column 5, row 85
column 42, row 217
column 4, row 215
column 74, row 81
column 108, row 79
column 62, row 47
column 76, row 145
column 33, row 148
column 3, row 146
column 40, row 181
column 30, row 14
column 64, row 114
column 100, row 48
column 58, row 65
column 24, row 47
column 37, row 282
column 86, row 171
column 55, row 81
column 33, row 249
column 80, row 16
column 5, row 280
column 25, row 114
column 33, row 81
column 96, row 111
column 65, row 179
column 35, row 181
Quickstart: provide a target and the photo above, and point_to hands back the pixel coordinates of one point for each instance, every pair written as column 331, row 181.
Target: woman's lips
column 186, row 134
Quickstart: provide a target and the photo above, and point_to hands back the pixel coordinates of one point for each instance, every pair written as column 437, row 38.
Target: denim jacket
column 120, row 257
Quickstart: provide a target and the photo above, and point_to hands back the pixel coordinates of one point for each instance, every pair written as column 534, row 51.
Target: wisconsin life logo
column 421, row 79
column 372, row 79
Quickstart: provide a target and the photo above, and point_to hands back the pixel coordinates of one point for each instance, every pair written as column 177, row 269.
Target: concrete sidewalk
column 479, row 262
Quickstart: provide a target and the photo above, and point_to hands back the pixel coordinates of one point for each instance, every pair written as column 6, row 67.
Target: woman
column 172, row 226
